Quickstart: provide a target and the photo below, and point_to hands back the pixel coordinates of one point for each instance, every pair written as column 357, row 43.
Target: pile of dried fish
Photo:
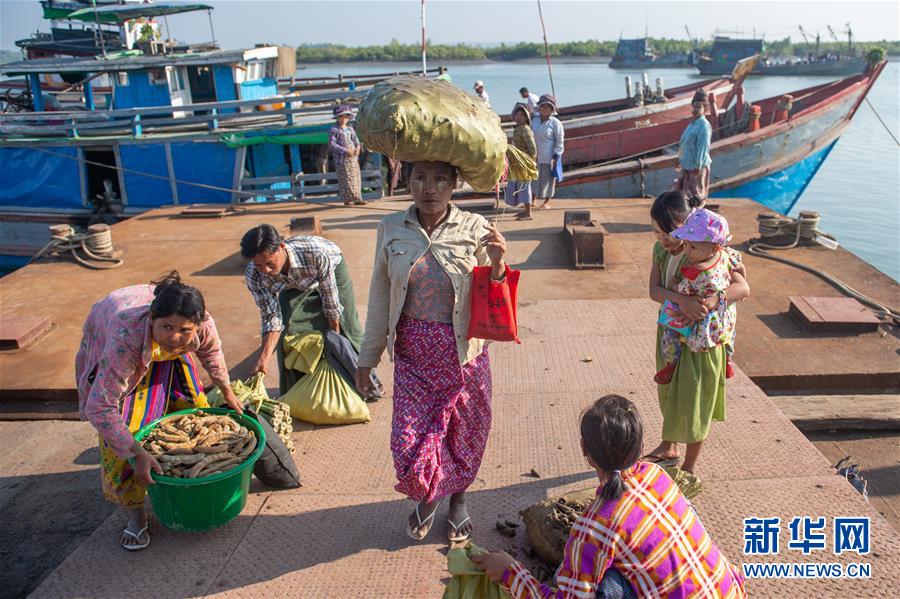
column 199, row 444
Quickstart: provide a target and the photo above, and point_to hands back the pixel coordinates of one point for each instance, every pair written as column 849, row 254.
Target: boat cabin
column 638, row 49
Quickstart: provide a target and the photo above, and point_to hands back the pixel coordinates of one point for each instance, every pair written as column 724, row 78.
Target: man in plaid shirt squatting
column 300, row 284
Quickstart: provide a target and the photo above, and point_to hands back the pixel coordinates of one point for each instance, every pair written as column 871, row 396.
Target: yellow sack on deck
column 324, row 397
column 468, row 582
column 416, row 119
column 303, row 352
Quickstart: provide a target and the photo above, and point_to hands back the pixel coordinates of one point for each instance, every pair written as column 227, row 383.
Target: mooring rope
column 96, row 245
column 806, row 227
column 883, row 124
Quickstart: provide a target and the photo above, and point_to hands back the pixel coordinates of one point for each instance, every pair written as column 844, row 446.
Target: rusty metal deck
column 342, row 534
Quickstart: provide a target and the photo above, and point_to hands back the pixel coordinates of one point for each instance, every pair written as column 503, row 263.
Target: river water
column 856, row 191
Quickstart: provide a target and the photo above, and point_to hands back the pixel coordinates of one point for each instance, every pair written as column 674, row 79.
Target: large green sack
column 414, row 119
column 324, row 397
column 468, row 582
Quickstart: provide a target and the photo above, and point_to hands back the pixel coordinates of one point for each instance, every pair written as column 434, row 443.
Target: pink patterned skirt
column 442, row 411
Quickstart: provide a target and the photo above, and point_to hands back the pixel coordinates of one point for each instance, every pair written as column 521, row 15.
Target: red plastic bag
column 494, row 306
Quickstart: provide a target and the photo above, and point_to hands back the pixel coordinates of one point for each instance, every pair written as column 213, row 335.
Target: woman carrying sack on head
column 345, row 149
column 134, row 366
column 419, row 298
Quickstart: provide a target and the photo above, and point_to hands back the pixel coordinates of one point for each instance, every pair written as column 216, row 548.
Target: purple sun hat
column 704, row 226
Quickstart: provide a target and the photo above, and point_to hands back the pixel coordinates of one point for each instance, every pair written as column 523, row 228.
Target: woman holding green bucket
column 134, row 366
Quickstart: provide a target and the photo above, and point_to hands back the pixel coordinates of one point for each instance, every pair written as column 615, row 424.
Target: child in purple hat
column 707, row 272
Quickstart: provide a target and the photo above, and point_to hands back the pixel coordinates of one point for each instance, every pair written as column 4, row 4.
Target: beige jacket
column 401, row 242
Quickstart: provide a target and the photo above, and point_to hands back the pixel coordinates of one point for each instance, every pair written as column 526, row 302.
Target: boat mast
column 424, row 62
column 546, row 50
column 99, row 31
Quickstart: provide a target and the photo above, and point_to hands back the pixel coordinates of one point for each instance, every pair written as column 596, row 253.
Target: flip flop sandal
column 429, row 521
column 660, row 461
column 454, row 536
column 360, row 203
column 137, row 546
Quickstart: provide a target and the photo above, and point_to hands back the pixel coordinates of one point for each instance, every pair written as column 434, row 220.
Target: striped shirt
column 651, row 535
column 311, row 264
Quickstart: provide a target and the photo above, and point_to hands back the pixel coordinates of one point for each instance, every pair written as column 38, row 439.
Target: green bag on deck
column 303, row 352
column 416, row 119
column 468, row 582
column 324, row 397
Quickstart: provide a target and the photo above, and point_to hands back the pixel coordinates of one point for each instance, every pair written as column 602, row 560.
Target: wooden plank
column 21, row 331
column 833, row 315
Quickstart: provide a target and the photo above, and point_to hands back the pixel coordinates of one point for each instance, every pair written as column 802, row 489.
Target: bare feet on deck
column 458, row 519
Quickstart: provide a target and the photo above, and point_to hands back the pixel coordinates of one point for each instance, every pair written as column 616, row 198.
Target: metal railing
column 203, row 118
column 312, row 187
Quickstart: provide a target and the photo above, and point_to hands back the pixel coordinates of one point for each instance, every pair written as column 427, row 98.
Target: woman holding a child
column 695, row 275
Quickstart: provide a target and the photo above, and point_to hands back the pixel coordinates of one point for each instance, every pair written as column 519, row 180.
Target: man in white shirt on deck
column 482, row 93
column 548, row 137
column 530, row 99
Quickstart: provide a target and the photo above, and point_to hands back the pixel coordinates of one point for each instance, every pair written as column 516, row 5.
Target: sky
column 243, row 23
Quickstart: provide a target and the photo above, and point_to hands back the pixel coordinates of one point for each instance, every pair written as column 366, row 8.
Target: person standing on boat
column 300, row 285
column 693, row 151
column 345, row 149
column 519, row 192
column 482, row 93
column 531, row 100
column 135, row 364
column 549, row 138
column 419, row 310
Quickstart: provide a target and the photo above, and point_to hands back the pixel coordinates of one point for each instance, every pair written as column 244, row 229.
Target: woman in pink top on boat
column 639, row 538
column 135, row 364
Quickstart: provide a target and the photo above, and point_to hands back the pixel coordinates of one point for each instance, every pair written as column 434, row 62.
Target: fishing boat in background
column 817, row 63
column 639, row 54
column 724, row 54
column 772, row 164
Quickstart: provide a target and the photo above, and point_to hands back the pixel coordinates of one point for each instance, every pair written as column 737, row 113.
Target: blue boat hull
column 780, row 190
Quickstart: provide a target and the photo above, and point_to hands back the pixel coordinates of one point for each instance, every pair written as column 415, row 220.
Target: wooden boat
column 615, row 129
column 772, row 165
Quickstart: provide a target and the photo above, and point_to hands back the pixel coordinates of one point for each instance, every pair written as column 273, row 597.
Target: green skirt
column 696, row 395
column 301, row 312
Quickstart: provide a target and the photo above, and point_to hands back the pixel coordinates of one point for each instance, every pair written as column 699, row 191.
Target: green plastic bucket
column 196, row 504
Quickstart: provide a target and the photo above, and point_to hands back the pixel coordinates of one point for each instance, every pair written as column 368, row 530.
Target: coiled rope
column 96, row 245
column 806, row 227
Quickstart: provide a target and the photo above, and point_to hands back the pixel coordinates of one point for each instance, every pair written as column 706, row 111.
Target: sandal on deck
column 137, row 546
column 454, row 535
column 429, row 521
column 660, row 461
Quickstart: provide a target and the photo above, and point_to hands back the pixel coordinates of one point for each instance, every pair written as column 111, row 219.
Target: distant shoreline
column 433, row 63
